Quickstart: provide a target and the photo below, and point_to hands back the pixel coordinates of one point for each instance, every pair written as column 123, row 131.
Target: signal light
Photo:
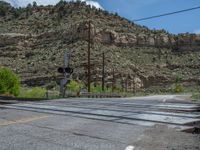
column 69, row 70
column 65, row 70
column 61, row 70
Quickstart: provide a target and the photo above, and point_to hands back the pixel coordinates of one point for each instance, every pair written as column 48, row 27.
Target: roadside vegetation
column 74, row 86
column 10, row 86
column 177, row 87
column 9, row 82
column 196, row 96
column 35, row 92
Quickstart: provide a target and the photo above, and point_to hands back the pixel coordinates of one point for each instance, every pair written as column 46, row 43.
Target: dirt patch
column 161, row 138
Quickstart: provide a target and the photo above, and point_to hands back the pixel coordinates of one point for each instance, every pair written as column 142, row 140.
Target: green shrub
column 35, row 92
column 9, row 82
column 177, row 88
column 96, row 88
column 74, row 86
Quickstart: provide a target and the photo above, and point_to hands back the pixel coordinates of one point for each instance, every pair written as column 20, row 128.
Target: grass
column 36, row 92
column 196, row 96
column 74, row 87
column 168, row 90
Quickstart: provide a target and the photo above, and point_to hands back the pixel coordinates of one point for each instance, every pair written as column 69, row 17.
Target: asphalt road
column 89, row 124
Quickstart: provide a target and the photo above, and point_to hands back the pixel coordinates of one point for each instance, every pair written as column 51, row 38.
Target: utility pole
column 103, row 72
column 89, row 46
column 126, row 84
column 113, row 80
column 135, row 82
column 122, row 85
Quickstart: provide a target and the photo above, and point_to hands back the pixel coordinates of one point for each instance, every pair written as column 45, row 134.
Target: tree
column 2, row 11
column 34, row 4
column 61, row 3
column 29, row 6
column 17, row 12
column 116, row 14
column 4, row 8
column 9, row 82
column 28, row 10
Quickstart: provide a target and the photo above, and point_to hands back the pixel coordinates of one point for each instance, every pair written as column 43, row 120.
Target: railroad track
column 182, row 117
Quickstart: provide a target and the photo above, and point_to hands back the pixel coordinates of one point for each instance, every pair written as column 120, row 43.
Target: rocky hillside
column 34, row 39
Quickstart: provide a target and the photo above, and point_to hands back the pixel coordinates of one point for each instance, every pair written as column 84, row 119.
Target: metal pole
column 103, row 73
column 63, row 82
column 66, row 62
column 65, row 59
column 89, row 45
column 67, row 56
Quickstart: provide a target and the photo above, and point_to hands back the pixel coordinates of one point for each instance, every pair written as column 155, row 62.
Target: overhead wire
column 167, row 14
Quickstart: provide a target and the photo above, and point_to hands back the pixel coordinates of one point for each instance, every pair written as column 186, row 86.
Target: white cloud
column 23, row 3
column 95, row 4
column 197, row 31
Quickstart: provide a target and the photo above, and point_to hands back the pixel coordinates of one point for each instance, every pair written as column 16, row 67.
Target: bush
column 9, row 82
column 35, row 92
column 74, row 86
column 177, row 88
column 96, row 88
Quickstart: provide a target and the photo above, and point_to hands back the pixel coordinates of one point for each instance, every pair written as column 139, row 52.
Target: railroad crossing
column 107, row 122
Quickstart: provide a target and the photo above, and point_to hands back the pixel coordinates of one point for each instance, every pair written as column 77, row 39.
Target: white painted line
column 130, row 148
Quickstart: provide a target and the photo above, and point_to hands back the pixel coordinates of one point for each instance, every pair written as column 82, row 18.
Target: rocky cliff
column 34, row 39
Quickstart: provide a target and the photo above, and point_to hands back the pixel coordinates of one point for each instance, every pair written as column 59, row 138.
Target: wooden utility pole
column 126, row 84
column 89, row 46
column 113, row 80
column 159, row 53
column 103, row 72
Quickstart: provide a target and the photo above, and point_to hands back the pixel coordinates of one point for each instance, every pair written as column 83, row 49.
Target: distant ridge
column 33, row 41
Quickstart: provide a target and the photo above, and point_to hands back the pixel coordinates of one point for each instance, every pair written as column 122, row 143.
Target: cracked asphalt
column 84, row 124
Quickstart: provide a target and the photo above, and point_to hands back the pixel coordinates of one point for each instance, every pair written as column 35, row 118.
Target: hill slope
column 33, row 41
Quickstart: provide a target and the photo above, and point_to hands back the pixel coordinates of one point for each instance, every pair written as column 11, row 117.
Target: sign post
column 66, row 71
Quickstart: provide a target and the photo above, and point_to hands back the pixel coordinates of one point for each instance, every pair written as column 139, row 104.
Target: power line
column 167, row 14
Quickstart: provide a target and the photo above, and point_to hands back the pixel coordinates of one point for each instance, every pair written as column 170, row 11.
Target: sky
column 136, row 9
column 178, row 23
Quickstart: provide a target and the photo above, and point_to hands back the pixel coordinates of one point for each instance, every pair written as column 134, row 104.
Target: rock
column 138, row 84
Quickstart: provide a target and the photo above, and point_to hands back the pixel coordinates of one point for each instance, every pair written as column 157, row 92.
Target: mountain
column 33, row 41
column 24, row 3
column 14, row 3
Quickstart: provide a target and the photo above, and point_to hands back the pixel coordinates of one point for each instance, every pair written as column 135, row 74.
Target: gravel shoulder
column 161, row 138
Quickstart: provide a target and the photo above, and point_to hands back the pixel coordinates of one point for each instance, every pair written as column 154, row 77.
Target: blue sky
column 178, row 23
column 136, row 9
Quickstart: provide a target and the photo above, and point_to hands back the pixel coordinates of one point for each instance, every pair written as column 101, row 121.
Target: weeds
column 35, row 92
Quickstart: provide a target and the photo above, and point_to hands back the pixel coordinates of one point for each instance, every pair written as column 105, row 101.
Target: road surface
column 91, row 124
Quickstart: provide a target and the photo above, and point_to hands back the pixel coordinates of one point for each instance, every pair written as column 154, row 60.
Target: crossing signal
column 65, row 70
